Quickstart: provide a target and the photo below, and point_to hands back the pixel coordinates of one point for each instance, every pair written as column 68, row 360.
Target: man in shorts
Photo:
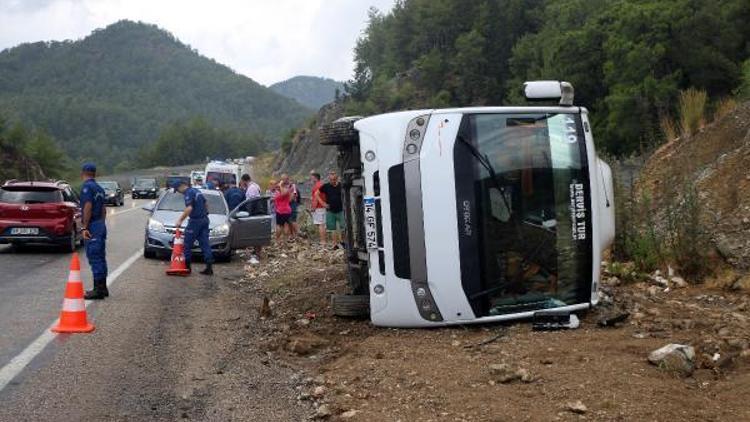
column 317, row 205
column 334, row 207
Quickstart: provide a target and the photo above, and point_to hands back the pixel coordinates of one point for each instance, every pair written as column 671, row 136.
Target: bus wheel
column 340, row 132
column 353, row 306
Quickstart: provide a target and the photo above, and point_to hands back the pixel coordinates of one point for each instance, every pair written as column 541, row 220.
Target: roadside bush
column 686, row 240
column 679, row 239
column 636, row 238
column 692, row 111
column 743, row 91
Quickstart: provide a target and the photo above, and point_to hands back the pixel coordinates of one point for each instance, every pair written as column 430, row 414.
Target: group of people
column 325, row 205
column 326, row 208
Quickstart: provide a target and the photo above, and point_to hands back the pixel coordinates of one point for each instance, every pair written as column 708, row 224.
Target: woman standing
column 282, row 204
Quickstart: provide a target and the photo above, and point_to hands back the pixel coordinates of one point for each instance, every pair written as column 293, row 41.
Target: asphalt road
column 164, row 348
column 32, row 280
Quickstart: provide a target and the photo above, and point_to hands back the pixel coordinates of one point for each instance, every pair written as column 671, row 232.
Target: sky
column 266, row 40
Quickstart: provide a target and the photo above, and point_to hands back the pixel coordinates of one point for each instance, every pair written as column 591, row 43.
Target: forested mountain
column 106, row 96
column 628, row 59
column 310, row 91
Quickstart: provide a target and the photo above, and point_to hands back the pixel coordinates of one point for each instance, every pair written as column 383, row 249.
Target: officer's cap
column 89, row 168
column 177, row 183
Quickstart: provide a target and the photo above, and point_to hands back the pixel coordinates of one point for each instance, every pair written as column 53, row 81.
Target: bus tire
column 340, row 132
column 351, row 306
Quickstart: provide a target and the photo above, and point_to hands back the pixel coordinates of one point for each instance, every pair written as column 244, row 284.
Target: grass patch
column 724, row 107
column 668, row 128
column 692, row 111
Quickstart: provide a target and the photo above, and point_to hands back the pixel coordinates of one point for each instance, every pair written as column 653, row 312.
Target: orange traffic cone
column 73, row 316
column 177, row 266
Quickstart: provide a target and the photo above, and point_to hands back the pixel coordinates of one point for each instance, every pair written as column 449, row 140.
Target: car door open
column 251, row 223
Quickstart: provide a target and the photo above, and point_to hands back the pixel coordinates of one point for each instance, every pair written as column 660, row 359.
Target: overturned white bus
column 471, row 215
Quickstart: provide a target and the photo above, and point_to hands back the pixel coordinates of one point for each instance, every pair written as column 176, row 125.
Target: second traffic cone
column 73, row 316
column 178, row 266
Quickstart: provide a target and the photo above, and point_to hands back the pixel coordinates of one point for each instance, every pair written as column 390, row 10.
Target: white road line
column 18, row 363
column 124, row 211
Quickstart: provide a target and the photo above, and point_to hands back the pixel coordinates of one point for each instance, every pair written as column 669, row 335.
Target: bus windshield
column 221, row 178
column 523, row 203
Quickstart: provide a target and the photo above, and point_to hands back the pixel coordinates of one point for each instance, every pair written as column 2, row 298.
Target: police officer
column 197, row 227
column 234, row 197
column 94, row 230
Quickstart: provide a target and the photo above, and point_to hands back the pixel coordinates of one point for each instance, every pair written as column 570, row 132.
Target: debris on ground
column 505, row 374
column 577, row 407
column 479, row 372
column 612, row 319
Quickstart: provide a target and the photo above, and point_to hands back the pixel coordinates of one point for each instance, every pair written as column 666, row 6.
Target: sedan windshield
column 108, row 185
column 145, row 183
column 175, row 201
column 529, row 220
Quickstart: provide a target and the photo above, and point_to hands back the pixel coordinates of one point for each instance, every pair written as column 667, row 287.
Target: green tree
column 191, row 141
column 42, row 148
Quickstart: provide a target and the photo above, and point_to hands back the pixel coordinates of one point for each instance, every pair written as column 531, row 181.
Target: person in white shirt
column 252, row 190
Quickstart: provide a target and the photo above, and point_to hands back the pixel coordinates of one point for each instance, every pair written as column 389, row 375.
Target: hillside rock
column 306, row 153
column 716, row 162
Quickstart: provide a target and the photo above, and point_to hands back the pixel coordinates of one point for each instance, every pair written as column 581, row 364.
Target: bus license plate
column 371, row 227
column 24, row 230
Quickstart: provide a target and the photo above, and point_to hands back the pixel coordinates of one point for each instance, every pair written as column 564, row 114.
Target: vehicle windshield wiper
column 484, row 160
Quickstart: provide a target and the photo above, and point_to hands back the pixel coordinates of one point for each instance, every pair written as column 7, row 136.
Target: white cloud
column 268, row 41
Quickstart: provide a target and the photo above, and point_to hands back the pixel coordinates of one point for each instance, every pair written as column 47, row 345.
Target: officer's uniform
column 197, row 227
column 96, row 245
column 234, row 197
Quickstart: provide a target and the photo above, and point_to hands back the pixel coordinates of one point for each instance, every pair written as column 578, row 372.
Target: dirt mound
column 716, row 161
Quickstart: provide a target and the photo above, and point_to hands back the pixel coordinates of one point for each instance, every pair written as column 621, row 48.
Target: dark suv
column 145, row 188
column 40, row 212
column 113, row 193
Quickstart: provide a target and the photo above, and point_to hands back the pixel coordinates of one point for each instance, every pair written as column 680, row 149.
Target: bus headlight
column 220, row 230
column 378, row 289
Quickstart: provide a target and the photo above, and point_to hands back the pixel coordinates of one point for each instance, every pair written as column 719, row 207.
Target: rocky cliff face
column 716, row 161
column 306, row 153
